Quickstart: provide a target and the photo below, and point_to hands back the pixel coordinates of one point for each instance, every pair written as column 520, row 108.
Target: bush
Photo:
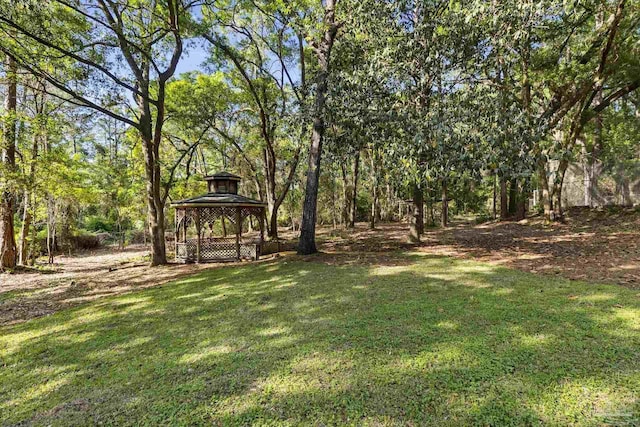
column 98, row 223
column 135, row 237
column 85, row 241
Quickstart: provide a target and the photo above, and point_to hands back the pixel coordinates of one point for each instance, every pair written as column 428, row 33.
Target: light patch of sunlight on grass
column 218, row 297
column 274, row 279
column 534, row 340
column 327, row 363
column 284, row 284
column 444, row 355
column 193, row 295
column 390, row 270
column 204, row 353
column 273, row 331
column 37, row 391
column 502, row 291
column 588, row 396
column 118, row 350
column 621, row 413
column 280, row 341
column 448, row 325
column 267, row 307
column 78, row 337
column 155, row 312
column 629, row 316
column 598, row 297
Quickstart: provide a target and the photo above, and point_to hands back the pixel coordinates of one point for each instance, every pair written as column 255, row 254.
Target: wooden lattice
column 200, row 221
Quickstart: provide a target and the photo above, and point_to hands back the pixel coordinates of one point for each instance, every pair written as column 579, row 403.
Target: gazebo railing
column 216, row 249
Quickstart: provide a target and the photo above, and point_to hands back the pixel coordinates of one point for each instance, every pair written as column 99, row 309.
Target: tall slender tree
column 7, row 192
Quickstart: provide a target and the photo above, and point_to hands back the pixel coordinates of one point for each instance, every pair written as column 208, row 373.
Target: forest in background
column 333, row 111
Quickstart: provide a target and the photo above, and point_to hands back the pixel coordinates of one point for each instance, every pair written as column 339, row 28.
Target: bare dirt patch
column 72, row 280
column 592, row 245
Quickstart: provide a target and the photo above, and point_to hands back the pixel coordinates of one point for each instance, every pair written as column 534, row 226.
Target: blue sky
column 192, row 59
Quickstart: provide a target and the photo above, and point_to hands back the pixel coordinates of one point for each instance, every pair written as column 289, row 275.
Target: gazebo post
column 261, row 221
column 198, row 232
column 176, row 234
column 238, row 231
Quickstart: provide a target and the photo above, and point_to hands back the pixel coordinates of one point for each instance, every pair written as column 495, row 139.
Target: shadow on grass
column 429, row 340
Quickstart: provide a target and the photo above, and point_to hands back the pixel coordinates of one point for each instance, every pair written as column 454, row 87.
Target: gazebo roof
column 217, row 199
column 222, row 175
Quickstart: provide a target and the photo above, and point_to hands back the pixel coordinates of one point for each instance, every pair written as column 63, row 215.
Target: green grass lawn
column 434, row 341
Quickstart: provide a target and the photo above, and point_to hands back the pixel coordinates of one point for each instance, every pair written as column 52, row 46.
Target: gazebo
column 210, row 227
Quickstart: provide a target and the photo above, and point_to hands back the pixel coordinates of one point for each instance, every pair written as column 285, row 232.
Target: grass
column 432, row 341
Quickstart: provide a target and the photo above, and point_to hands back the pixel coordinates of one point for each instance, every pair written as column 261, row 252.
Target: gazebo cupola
column 223, row 183
column 210, row 227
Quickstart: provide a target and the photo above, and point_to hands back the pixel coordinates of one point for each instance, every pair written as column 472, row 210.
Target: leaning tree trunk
column 7, row 197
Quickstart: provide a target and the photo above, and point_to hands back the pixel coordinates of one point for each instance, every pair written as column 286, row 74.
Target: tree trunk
column 523, row 197
column 444, row 220
column 273, row 222
column 591, row 167
column 547, row 201
column 23, row 244
column 151, row 138
column 559, row 183
column 270, row 185
column 155, row 210
column 375, row 214
column 334, row 215
column 7, row 197
column 495, row 185
column 416, row 226
column 51, row 229
column 430, row 208
column 586, row 175
column 503, row 199
column 591, row 178
column 513, row 196
column 23, row 251
column 346, row 195
column 32, row 250
column 354, row 191
column 307, row 243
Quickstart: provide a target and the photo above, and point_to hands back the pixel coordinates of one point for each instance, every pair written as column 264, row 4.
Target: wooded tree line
column 334, row 111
